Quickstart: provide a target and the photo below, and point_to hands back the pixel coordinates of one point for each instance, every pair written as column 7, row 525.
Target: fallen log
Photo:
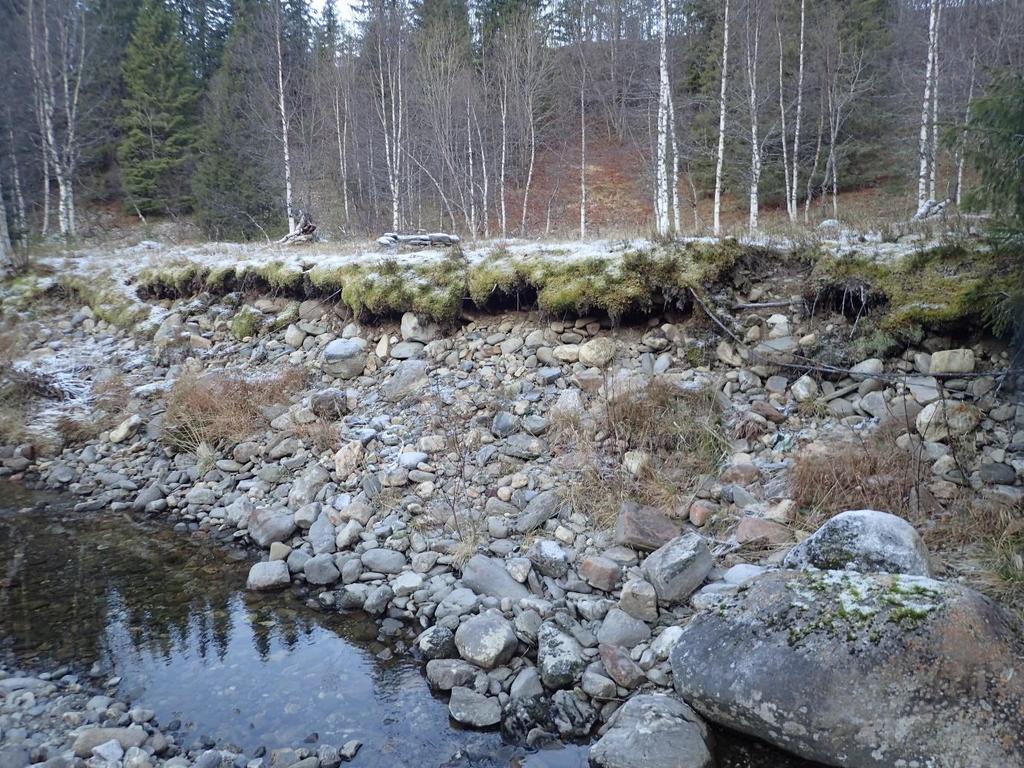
column 419, row 240
column 304, row 232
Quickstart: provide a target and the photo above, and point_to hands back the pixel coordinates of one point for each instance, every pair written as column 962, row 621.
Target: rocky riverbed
column 494, row 496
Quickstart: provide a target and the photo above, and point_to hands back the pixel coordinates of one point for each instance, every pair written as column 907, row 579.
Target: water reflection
column 169, row 615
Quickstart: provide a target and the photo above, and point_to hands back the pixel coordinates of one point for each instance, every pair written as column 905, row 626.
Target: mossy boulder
column 246, row 323
column 860, row 670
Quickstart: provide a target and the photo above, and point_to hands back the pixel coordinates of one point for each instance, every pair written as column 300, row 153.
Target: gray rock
column 860, row 670
column 487, row 640
column 445, row 674
column 415, row 329
column 322, row 535
column 643, row 528
column 539, row 510
column 456, row 603
column 549, row 558
column 405, row 350
column 619, row 628
column 527, row 685
column 559, row 657
column 639, row 600
column 653, row 731
column 678, row 568
column 321, row 570
column 474, row 709
column 504, row 424
column 437, row 642
column 345, row 358
column 269, row 525
column 863, row 540
column 410, row 376
column 330, row 404
column 146, row 496
column 86, row 741
column 272, row 574
column 307, row 486
column 524, row 446
column 383, row 560
column 487, row 576
column 572, row 715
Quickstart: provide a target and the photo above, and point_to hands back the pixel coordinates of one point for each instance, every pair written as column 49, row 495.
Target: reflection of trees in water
column 167, row 593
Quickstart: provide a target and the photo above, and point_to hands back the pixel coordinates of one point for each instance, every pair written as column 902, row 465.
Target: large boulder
column 272, row 574
column 947, row 418
column 345, row 358
column 863, row 540
column 860, row 670
column 678, row 567
column 559, row 657
column 653, row 730
column 487, row 640
column 269, row 525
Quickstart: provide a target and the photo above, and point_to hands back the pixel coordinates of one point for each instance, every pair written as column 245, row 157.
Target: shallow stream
column 168, row 614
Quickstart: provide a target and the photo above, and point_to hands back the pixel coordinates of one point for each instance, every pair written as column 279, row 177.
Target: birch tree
column 934, row 155
column 57, row 58
column 5, row 237
column 924, row 159
column 284, row 117
column 753, row 38
column 661, row 204
column 717, row 225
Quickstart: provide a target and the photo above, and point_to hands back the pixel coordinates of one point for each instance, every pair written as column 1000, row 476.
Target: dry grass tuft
column 680, row 431
column 206, row 409
column 872, row 472
column 982, row 543
column 321, row 434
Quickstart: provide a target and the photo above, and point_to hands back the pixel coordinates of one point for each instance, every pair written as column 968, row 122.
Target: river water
column 168, row 614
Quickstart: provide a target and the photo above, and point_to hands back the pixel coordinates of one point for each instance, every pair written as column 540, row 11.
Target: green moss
column 940, row 288
column 280, row 276
column 246, row 323
column 177, row 280
column 288, row 315
column 105, row 302
column 218, row 279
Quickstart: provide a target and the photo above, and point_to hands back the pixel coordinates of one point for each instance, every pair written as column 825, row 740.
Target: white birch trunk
column 817, row 156
column 583, row 159
column 660, row 175
column 792, row 205
column 19, row 197
column 529, row 169
column 5, row 237
column 673, row 177
column 485, row 211
column 963, row 135
column 755, row 146
column 782, row 124
column 717, row 213
column 472, row 175
column 283, row 114
column 504, row 147
column 933, row 173
column 922, row 144
column 340, row 136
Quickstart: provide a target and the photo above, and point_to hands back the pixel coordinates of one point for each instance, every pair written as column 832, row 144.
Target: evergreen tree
column 205, row 25
column 235, row 189
column 159, row 113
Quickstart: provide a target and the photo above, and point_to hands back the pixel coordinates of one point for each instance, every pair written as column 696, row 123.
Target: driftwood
column 304, row 232
column 422, row 240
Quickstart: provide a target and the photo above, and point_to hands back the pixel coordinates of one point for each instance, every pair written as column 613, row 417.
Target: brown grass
column 681, row 431
column 870, row 472
column 321, row 434
column 214, row 407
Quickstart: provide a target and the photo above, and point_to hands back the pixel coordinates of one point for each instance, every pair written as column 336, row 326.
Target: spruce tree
column 235, row 189
column 159, row 123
